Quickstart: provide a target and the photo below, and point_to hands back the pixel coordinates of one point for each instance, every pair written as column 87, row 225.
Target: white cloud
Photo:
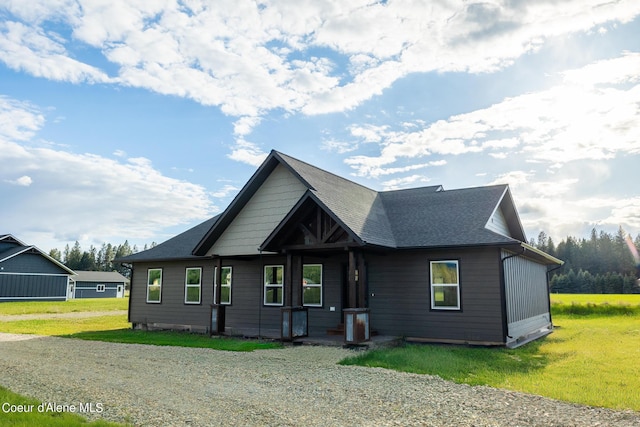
column 340, row 147
column 250, row 58
column 225, row 191
column 19, row 120
column 595, row 119
column 412, row 180
column 369, row 133
column 625, row 211
column 244, row 125
column 513, row 178
column 23, row 181
column 32, row 49
column 87, row 194
column 247, row 152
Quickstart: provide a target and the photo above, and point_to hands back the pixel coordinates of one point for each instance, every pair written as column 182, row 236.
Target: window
column 99, row 288
column 312, row 285
column 225, row 287
column 445, row 285
column 154, row 285
column 192, row 282
column 273, row 284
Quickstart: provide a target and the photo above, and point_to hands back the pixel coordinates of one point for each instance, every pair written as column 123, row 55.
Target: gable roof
column 421, row 217
column 100, row 276
column 23, row 248
column 413, row 218
column 12, row 239
column 359, row 208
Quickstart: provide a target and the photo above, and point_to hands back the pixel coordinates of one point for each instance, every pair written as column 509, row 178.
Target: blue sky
column 123, row 119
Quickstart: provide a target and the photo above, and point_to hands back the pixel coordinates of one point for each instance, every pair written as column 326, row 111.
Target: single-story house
column 27, row 273
column 99, row 284
column 301, row 251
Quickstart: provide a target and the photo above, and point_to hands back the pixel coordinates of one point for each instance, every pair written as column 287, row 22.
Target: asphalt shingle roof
column 178, row 247
column 99, row 276
column 418, row 217
column 358, row 207
column 421, row 217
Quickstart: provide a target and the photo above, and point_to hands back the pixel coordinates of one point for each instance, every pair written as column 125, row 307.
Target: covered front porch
column 317, row 280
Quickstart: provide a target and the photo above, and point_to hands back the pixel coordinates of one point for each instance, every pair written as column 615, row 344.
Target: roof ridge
column 284, row 157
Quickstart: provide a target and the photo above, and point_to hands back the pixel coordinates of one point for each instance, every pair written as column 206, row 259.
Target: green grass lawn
column 13, row 403
column 63, row 327
column 179, row 339
column 71, row 306
column 611, row 299
column 592, row 358
column 112, row 328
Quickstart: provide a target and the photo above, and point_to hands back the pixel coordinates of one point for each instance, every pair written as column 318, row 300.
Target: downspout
column 130, row 268
column 260, row 302
column 549, row 291
column 503, row 295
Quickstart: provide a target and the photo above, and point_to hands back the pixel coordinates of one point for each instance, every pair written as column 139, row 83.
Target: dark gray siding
column 89, row 290
column 31, row 263
column 5, row 246
column 21, row 287
column 322, row 318
column 399, row 296
column 171, row 312
column 247, row 315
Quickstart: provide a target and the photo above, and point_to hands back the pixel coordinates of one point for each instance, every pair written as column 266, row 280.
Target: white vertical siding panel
column 525, row 288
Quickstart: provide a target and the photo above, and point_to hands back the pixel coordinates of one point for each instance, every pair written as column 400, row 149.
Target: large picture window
column 154, row 285
column 225, row 286
column 192, row 285
column 273, row 284
column 445, row 285
column 312, row 285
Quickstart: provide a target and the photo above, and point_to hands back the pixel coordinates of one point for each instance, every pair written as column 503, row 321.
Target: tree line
column 95, row 259
column 602, row 263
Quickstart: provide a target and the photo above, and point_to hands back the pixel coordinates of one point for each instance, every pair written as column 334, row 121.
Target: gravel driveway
column 297, row 386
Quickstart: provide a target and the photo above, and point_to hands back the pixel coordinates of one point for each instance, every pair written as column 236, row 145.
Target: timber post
column 356, row 315
column 217, row 309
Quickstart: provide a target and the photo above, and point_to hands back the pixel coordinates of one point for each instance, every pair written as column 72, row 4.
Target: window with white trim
column 192, row 285
column 445, row 285
column 99, row 288
column 273, row 284
column 312, row 285
column 154, row 285
column 225, row 287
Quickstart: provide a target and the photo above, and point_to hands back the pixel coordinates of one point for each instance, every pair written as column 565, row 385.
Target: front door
column 120, row 291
